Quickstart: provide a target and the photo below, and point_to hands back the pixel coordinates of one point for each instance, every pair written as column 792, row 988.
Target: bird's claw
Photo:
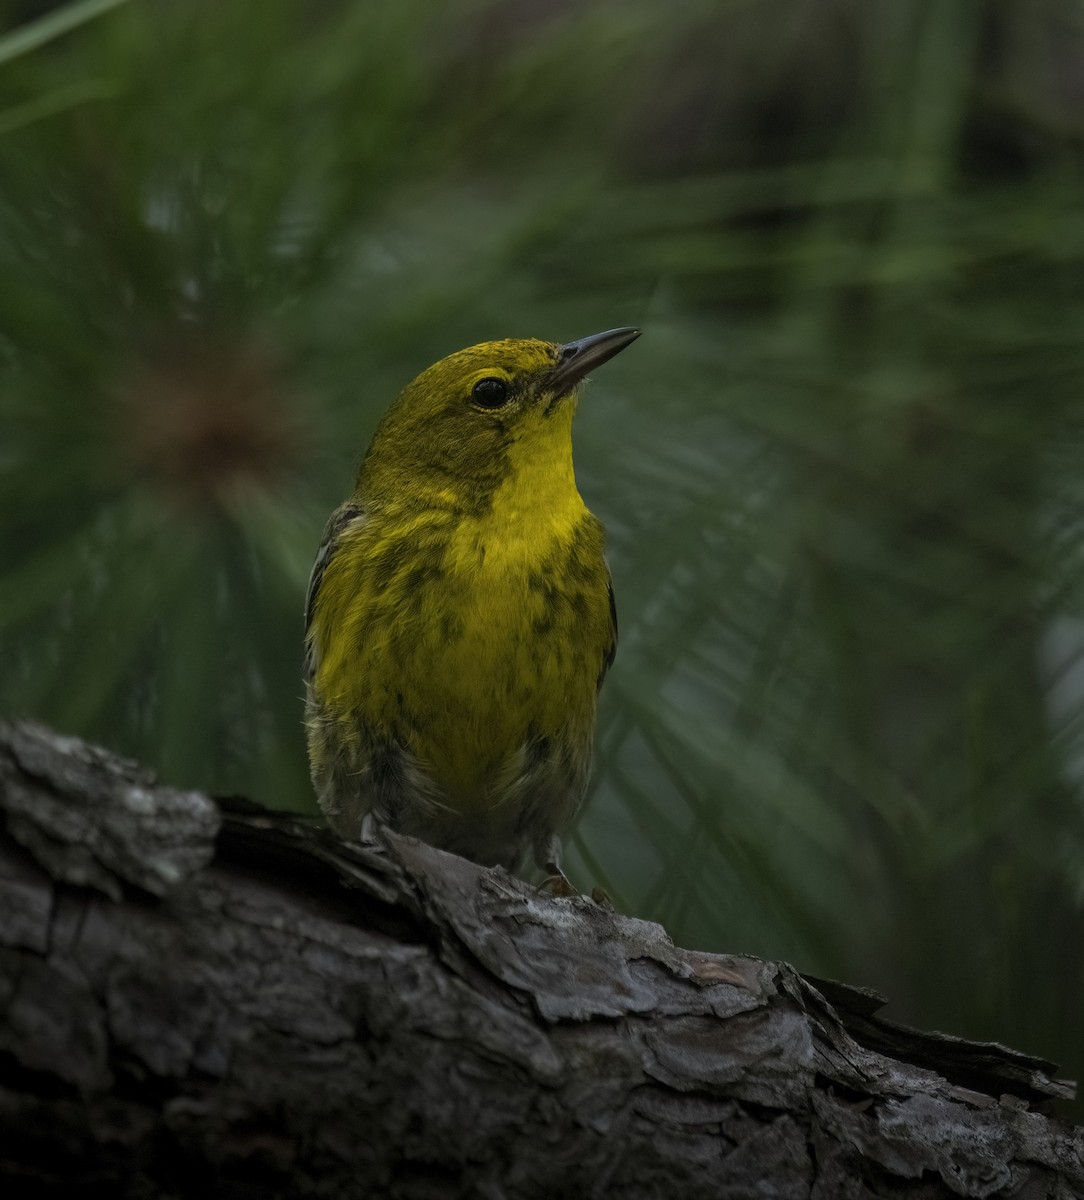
column 557, row 885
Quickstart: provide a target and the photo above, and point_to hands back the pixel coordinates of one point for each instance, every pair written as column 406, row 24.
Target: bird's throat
column 535, row 504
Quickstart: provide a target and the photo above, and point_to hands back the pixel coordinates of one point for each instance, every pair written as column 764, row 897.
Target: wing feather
column 611, row 650
column 346, row 516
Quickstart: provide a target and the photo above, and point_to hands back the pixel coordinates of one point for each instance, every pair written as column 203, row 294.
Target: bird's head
column 471, row 417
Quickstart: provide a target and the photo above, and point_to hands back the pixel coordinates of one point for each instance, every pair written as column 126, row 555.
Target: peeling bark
column 202, row 998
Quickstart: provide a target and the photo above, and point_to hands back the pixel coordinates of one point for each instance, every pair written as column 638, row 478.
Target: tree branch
column 204, row 997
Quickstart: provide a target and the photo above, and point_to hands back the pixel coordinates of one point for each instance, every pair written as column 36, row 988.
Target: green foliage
column 841, row 470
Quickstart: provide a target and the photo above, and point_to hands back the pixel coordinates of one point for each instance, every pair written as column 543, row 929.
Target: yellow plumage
column 460, row 616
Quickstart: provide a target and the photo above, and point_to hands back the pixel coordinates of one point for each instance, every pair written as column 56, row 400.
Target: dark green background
column 842, row 471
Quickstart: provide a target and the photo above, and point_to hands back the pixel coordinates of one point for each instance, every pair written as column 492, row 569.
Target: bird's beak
column 576, row 359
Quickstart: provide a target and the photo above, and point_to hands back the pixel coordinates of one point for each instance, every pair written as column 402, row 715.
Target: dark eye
column 490, row 393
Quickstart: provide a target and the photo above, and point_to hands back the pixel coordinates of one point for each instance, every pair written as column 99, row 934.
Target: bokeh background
column 842, row 471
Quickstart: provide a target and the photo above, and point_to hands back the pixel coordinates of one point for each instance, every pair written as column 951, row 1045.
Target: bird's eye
column 490, row 393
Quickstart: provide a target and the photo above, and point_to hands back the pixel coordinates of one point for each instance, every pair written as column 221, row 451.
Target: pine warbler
column 460, row 614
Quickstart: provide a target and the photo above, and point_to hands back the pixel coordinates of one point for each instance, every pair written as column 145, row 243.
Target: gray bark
column 202, row 998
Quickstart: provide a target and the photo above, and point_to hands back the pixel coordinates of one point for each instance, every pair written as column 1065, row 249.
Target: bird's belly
column 501, row 667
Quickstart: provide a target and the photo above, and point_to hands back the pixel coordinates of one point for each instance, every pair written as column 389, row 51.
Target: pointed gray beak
column 576, row 359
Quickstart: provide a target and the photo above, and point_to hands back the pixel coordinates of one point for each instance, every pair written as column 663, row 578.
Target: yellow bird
column 460, row 615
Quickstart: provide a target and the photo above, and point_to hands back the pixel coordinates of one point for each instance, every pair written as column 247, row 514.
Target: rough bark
column 200, row 997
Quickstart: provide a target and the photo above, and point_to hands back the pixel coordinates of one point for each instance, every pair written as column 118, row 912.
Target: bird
column 460, row 615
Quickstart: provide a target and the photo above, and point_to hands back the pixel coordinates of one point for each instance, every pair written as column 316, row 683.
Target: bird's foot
column 370, row 831
column 557, row 885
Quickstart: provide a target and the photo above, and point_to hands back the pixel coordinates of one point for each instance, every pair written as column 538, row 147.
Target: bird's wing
column 346, row 516
column 611, row 650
